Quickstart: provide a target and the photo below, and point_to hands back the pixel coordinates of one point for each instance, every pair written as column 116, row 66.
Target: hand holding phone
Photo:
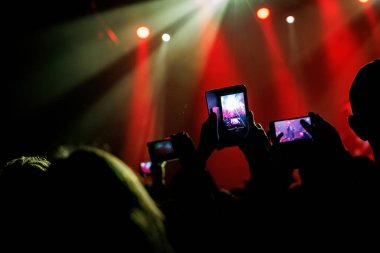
column 230, row 104
column 161, row 150
column 290, row 130
column 324, row 134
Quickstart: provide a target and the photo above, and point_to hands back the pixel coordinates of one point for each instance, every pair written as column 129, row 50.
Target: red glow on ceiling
column 340, row 43
column 373, row 21
column 286, row 91
column 141, row 115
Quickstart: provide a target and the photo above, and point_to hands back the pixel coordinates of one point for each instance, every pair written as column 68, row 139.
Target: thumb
column 250, row 118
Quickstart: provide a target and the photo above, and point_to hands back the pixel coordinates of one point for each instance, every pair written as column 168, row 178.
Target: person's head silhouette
column 21, row 180
column 101, row 201
column 363, row 99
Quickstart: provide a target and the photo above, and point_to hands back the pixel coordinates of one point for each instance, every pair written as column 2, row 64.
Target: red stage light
column 263, row 13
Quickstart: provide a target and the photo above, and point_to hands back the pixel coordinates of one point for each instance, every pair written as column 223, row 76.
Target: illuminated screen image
column 145, row 168
column 161, row 150
column 292, row 129
column 233, row 110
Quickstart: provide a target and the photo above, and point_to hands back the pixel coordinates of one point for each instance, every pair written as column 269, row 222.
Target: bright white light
column 165, row 37
column 290, row 19
column 263, row 13
column 143, row 32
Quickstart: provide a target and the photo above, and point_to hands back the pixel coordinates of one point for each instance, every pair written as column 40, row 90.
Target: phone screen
column 234, row 111
column 145, row 168
column 292, row 129
column 161, row 150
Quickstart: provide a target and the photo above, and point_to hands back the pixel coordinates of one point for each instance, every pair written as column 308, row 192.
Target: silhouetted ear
column 358, row 127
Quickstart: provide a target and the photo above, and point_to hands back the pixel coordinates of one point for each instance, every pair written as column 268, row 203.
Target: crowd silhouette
column 99, row 201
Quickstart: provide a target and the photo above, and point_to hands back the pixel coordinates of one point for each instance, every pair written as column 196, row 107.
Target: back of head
column 21, row 179
column 364, row 98
column 22, row 196
column 98, row 197
column 363, row 92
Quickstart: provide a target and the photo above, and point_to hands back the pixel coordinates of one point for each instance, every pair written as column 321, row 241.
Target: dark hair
column 37, row 162
column 23, row 175
column 363, row 91
column 104, row 198
column 22, row 195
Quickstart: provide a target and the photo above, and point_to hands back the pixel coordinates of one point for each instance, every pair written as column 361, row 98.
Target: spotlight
column 165, row 37
column 143, row 32
column 290, row 19
column 263, row 13
column 363, row 1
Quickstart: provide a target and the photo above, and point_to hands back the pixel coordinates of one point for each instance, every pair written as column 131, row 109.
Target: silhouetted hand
column 325, row 136
column 158, row 184
column 325, row 160
column 256, row 143
column 267, row 179
column 275, row 140
column 256, row 150
column 184, row 148
column 191, row 182
column 209, row 138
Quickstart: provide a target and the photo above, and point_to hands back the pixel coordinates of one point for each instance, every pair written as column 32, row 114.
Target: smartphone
column 291, row 128
column 145, row 168
column 161, row 150
column 231, row 107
